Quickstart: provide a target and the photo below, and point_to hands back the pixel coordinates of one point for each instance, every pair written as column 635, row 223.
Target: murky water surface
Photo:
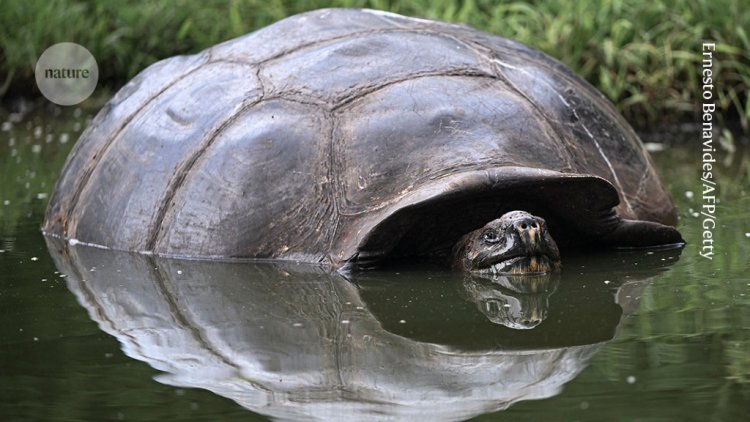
column 92, row 335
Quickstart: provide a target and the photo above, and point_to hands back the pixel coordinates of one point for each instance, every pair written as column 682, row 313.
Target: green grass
column 644, row 55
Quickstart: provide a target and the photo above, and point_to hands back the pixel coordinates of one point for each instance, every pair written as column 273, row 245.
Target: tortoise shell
column 344, row 135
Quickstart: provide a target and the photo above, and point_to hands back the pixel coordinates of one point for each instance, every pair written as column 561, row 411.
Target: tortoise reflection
column 297, row 343
column 520, row 302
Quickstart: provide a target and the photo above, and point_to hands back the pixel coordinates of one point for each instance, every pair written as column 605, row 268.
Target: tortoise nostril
column 527, row 224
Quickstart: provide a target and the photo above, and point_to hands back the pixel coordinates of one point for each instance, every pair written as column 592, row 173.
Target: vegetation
column 644, row 55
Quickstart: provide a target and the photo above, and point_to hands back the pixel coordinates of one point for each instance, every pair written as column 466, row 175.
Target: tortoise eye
column 490, row 237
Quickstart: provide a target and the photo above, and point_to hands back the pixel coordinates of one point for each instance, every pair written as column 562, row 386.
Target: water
column 87, row 334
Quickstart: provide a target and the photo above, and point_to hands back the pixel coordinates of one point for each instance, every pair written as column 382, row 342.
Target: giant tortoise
column 357, row 137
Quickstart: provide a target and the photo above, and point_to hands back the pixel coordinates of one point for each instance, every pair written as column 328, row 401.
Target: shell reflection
column 295, row 342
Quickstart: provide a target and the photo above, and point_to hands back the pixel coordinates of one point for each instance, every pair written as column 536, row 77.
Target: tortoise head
column 516, row 243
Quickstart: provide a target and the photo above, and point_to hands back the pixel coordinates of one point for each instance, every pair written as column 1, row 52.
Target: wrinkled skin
column 516, row 243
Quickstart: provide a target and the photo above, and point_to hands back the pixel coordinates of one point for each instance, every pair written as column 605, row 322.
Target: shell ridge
column 588, row 132
column 606, row 160
column 312, row 44
column 365, row 90
column 156, row 226
column 488, row 55
column 538, row 112
column 83, row 180
column 557, row 67
column 355, row 91
column 334, row 187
